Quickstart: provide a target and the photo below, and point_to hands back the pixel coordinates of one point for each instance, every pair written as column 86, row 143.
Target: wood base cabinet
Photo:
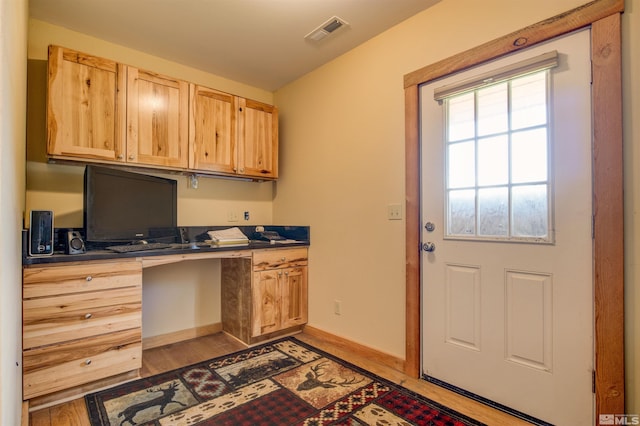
column 82, row 322
column 267, row 296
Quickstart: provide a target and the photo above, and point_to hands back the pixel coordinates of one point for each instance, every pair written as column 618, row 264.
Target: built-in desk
column 82, row 314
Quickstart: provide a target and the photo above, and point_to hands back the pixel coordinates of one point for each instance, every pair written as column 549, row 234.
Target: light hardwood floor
column 176, row 355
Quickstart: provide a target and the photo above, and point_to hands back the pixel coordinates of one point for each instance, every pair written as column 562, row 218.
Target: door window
column 497, row 181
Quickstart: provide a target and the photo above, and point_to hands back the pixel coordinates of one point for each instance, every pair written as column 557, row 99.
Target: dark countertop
column 298, row 233
column 175, row 249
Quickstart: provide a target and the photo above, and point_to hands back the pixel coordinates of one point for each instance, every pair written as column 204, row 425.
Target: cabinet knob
column 88, row 362
column 87, row 316
column 241, row 170
column 282, row 259
column 287, row 273
column 120, row 157
column 131, row 157
column 279, row 273
column 89, row 278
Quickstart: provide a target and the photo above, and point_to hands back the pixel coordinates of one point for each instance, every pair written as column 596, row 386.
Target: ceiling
column 257, row 42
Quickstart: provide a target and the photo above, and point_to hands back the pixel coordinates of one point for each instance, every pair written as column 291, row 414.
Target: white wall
column 13, row 81
column 342, row 139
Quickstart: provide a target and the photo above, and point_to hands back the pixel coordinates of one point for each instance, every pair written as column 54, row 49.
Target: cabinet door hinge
column 593, row 381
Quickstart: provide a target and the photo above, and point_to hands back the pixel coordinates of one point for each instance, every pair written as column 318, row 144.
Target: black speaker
column 41, row 233
column 184, row 235
column 74, row 243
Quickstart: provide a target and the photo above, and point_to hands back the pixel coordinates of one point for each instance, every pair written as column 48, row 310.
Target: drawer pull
column 88, row 362
column 87, row 316
column 89, row 278
column 283, row 259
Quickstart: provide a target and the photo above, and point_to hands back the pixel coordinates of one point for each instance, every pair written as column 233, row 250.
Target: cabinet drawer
column 92, row 276
column 59, row 367
column 50, row 320
column 272, row 259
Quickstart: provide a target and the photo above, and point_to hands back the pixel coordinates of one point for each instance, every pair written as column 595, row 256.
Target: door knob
column 429, row 246
column 430, row 226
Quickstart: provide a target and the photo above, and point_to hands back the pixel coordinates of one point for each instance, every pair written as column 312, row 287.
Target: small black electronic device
column 41, row 233
column 74, row 243
column 269, row 236
column 184, row 235
column 128, row 248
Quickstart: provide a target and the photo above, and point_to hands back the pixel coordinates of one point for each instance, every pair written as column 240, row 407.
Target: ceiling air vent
column 325, row 29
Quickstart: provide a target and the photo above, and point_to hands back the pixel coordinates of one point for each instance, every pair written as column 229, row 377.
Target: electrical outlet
column 337, row 307
column 233, row 216
column 394, row 212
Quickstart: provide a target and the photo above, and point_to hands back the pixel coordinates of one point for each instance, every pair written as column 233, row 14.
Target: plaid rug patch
column 285, row 382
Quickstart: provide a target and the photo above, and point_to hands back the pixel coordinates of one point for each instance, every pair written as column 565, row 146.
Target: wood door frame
column 603, row 17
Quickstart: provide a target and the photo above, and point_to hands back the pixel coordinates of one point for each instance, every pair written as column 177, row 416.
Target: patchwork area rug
column 285, row 382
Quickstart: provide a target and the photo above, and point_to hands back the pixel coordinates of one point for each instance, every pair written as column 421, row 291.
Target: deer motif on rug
column 165, row 399
column 313, row 381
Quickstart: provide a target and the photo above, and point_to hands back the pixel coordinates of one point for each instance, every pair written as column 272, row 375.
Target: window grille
column 497, row 135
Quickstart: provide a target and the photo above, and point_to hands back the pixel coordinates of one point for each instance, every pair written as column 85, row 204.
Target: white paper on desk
column 229, row 234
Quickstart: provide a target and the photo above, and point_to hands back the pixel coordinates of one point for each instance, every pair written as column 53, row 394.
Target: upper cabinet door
column 212, row 130
column 257, row 139
column 157, row 119
column 85, row 106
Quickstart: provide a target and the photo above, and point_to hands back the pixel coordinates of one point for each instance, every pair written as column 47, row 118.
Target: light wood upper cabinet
column 157, row 119
column 257, row 139
column 85, row 108
column 102, row 111
column 105, row 112
column 232, row 135
column 212, row 130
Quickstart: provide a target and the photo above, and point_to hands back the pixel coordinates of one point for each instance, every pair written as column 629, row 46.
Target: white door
column 507, row 286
